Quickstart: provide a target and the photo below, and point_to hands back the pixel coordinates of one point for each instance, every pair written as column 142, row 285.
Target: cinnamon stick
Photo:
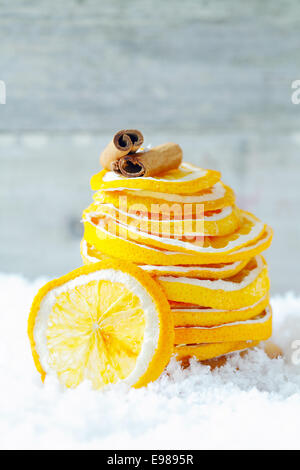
column 157, row 160
column 123, row 142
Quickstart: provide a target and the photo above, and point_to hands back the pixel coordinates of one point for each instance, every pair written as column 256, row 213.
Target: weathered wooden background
column 213, row 76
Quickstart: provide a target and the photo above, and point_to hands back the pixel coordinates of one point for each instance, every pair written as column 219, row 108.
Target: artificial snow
column 251, row 402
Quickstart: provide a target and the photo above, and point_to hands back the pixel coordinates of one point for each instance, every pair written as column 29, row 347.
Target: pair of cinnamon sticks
column 123, row 155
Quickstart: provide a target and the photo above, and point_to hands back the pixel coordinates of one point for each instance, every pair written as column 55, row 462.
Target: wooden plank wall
column 213, row 76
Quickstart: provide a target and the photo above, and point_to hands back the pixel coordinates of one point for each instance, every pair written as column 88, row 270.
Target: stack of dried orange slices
column 172, row 265
column 184, row 229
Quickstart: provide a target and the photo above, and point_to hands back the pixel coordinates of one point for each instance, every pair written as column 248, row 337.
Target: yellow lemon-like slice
column 89, row 254
column 242, row 290
column 193, row 315
column 203, row 352
column 255, row 329
column 112, row 244
column 250, row 229
column 211, row 249
column 187, row 178
column 176, row 225
column 208, row 271
column 107, row 322
column 214, row 271
column 213, row 198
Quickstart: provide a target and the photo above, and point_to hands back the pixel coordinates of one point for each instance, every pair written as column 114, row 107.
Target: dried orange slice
column 242, row 290
column 89, row 254
column 207, row 351
column 187, row 178
column 212, row 249
column 176, row 224
column 214, row 271
column 255, row 329
column 113, row 244
column 250, row 229
column 107, row 322
column 208, row 271
column 213, row 198
column 193, row 315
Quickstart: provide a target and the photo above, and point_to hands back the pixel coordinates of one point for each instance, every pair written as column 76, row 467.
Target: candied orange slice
column 193, row 315
column 255, row 329
column 213, row 198
column 241, row 290
column 176, row 225
column 113, row 244
column 212, row 248
column 213, row 271
column 187, row 178
column 203, row 352
column 205, row 271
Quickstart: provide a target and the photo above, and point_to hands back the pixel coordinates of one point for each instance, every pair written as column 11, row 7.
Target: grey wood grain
column 213, row 76
column 192, row 65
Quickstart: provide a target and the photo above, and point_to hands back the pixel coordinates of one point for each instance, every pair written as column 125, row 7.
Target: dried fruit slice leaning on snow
column 108, row 322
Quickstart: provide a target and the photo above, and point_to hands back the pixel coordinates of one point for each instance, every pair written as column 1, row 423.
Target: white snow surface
column 254, row 406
